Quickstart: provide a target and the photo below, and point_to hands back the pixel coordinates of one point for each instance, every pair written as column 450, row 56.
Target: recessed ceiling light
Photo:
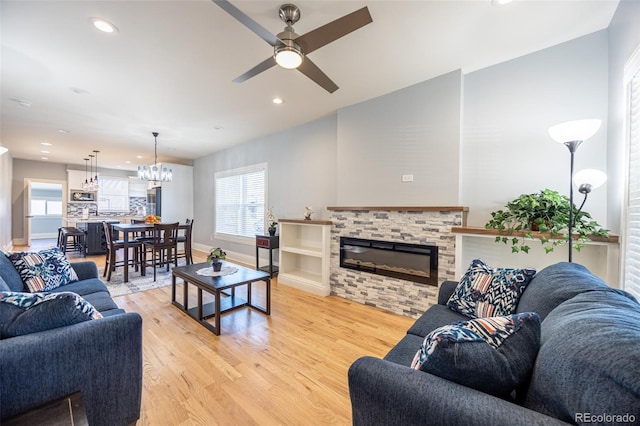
column 277, row 101
column 45, row 143
column 127, row 162
column 139, row 156
column 21, row 102
column 218, row 128
column 103, row 25
column 45, row 152
column 63, row 131
column 44, row 158
column 500, row 2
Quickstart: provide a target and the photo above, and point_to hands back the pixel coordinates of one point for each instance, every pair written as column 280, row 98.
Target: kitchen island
column 96, row 242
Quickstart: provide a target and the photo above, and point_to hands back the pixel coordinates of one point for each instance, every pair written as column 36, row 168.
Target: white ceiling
column 170, row 66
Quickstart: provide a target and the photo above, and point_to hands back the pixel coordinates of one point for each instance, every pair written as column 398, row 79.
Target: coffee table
column 219, row 287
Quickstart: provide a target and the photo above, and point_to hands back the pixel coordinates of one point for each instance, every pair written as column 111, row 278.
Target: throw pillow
column 25, row 313
column 494, row 355
column 486, row 292
column 44, row 270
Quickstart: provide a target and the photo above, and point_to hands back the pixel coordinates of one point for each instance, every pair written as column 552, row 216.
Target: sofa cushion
column 485, row 292
column 555, row 284
column 44, row 270
column 494, row 354
column 25, row 313
column 589, row 357
column 436, row 316
column 3, row 285
column 403, row 352
column 84, row 287
column 9, row 274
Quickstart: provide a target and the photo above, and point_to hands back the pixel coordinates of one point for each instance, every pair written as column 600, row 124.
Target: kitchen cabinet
column 137, row 187
column 75, row 179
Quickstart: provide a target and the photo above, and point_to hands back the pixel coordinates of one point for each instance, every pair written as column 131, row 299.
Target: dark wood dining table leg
column 126, row 257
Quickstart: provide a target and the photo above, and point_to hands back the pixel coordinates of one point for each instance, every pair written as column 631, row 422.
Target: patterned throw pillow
column 494, row 355
column 25, row 313
column 488, row 292
column 44, row 270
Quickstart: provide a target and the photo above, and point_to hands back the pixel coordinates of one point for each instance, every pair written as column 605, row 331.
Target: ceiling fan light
column 288, row 57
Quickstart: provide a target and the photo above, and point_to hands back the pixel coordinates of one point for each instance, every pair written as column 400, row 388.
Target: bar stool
column 71, row 239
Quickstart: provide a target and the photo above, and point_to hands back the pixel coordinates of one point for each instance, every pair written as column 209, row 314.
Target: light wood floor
column 289, row 368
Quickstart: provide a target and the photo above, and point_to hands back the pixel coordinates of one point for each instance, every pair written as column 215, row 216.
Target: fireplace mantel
column 404, row 209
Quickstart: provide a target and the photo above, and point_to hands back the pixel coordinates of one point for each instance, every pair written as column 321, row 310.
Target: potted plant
column 271, row 222
column 546, row 213
column 214, row 258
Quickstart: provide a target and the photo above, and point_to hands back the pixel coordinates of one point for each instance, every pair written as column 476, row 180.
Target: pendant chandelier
column 91, row 184
column 155, row 172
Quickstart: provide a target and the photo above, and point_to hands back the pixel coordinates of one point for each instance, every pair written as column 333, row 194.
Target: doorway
column 45, row 208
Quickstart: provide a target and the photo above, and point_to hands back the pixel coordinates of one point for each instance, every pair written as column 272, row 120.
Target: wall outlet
column 407, row 178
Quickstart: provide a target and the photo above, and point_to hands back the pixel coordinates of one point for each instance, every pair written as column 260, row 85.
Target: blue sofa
column 100, row 358
column 587, row 368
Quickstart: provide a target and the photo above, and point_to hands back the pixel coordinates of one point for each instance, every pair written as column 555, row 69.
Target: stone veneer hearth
column 416, row 225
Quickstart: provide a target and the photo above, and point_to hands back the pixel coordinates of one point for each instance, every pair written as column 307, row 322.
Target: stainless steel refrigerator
column 154, row 201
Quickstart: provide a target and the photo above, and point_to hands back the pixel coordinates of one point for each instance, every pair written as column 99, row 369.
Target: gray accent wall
column 508, row 109
column 413, row 131
column 624, row 38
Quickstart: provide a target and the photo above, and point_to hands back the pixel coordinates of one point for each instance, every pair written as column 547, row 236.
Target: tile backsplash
column 75, row 209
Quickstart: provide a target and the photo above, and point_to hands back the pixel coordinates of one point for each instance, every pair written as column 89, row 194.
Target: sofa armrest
column 385, row 393
column 446, row 290
column 100, row 358
column 85, row 270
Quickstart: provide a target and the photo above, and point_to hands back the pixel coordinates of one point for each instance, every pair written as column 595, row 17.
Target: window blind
column 632, row 225
column 240, row 201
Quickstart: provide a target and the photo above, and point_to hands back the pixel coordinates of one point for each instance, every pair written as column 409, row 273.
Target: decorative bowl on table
column 152, row 219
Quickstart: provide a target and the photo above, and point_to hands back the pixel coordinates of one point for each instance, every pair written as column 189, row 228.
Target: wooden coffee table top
column 242, row 276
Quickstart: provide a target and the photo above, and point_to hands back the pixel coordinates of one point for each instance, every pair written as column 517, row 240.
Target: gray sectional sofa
column 587, row 369
column 101, row 358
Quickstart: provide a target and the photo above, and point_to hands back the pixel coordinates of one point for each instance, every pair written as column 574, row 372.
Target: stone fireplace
column 408, row 226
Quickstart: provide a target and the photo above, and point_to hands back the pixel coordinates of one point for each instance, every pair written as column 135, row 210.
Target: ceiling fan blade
column 262, row 66
column 332, row 31
column 261, row 31
column 312, row 71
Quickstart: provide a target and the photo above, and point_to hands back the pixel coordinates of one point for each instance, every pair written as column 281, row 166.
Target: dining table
column 130, row 229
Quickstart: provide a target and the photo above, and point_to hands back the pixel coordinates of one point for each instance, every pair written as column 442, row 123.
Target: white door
column 28, row 190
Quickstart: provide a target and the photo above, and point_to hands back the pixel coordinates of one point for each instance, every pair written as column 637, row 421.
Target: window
column 632, row 214
column 46, row 207
column 240, row 201
column 113, row 194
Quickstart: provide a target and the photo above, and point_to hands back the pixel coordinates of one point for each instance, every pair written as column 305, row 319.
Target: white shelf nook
column 304, row 255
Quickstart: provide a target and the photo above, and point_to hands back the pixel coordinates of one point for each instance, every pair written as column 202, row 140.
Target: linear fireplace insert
column 411, row 262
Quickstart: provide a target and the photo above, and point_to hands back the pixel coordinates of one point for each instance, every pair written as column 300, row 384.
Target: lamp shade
column 589, row 179
column 577, row 130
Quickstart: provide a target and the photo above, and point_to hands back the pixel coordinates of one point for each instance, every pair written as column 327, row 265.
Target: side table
column 269, row 242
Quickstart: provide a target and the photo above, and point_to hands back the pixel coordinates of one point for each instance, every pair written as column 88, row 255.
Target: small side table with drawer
column 270, row 243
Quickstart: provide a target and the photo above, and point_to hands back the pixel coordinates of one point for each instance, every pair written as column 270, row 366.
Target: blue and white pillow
column 494, row 355
column 25, row 313
column 44, row 270
column 486, row 292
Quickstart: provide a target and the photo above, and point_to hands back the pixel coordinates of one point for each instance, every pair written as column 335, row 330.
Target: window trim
column 234, row 172
column 631, row 70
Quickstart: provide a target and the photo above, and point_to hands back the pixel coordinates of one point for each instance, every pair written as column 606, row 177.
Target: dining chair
column 113, row 246
column 185, row 239
column 162, row 246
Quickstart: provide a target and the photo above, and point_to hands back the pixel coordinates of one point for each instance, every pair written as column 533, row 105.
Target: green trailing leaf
column 543, row 215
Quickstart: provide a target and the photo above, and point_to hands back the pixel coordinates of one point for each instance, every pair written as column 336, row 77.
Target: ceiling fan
column 290, row 50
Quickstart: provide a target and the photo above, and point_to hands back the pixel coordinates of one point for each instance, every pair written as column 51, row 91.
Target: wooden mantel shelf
column 405, row 209
column 478, row 230
column 305, row 221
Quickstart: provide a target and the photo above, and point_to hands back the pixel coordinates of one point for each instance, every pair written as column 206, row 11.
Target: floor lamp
column 572, row 134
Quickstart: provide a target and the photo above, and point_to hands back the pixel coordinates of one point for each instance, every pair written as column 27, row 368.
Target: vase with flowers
column 214, row 258
column 271, row 222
